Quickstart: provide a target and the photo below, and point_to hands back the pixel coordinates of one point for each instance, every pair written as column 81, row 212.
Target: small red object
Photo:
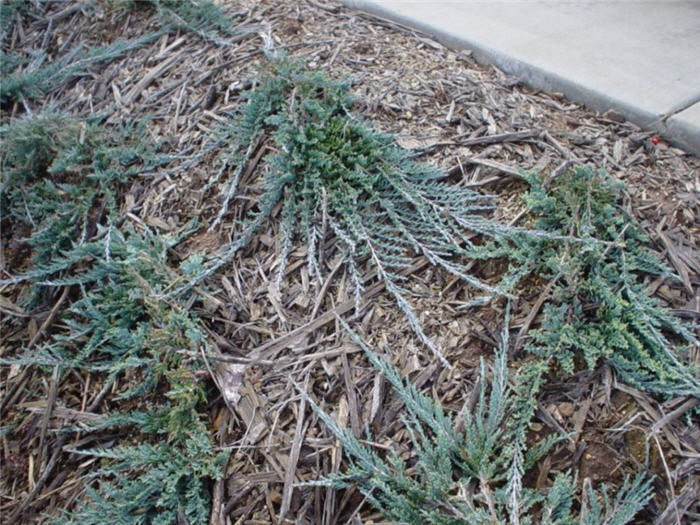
column 655, row 140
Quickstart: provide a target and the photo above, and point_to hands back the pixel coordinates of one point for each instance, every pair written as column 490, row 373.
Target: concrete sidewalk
column 638, row 58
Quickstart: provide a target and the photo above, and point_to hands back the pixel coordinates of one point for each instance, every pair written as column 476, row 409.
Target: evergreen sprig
column 335, row 175
column 61, row 177
column 34, row 77
column 117, row 329
column 64, row 179
column 10, row 12
column 599, row 310
column 203, row 17
column 40, row 77
column 471, row 472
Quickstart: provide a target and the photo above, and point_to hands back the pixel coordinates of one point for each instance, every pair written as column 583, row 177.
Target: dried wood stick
column 515, row 136
column 289, row 338
column 154, row 73
column 298, row 439
column 492, row 164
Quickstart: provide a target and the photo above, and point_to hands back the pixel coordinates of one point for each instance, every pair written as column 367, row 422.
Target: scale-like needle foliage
column 335, row 175
column 10, row 12
column 161, row 473
column 471, row 472
column 41, row 77
column 203, row 17
column 64, row 180
column 599, row 310
column 35, row 76
column 61, row 177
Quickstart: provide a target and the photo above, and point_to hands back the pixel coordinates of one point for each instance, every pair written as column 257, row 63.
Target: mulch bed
column 473, row 121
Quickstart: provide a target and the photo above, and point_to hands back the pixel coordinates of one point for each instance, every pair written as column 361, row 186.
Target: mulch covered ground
column 472, row 120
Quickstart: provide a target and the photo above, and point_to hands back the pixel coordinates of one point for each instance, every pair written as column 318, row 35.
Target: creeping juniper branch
column 329, row 168
column 599, row 309
column 472, row 474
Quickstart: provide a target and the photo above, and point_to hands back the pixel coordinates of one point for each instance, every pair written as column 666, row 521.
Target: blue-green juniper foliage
column 599, row 310
column 65, row 180
column 330, row 175
column 35, row 75
column 468, row 468
column 333, row 174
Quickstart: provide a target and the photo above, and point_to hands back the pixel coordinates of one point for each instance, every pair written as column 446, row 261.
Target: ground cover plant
column 177, row 263
column 598, row 310
column 36, row 74
column 62, row 180
column 40, row 77
column 324, row 174
column 33, row 74
column 333, row 174
column 471, row 471
column 207, row 19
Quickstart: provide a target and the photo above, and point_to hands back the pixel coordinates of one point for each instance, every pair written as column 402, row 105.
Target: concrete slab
column 639, row 58
column 685, row 128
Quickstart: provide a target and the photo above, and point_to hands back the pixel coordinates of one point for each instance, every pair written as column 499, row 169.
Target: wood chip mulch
column 472, row 120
